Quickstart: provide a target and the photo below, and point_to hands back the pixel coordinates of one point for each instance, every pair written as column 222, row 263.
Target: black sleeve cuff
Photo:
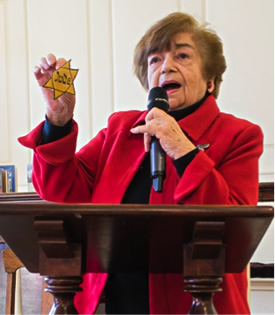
column 52, row 133
column 184, row 161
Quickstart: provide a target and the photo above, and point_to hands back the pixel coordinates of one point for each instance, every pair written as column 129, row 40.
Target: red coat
column 226, row 173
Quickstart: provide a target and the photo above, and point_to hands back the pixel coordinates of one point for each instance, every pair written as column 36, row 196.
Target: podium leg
column 63, row 290
column 202, row 291
column 204, row 265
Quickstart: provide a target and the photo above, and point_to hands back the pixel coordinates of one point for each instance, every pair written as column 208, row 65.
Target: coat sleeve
column 233, row 181
column 60, row 174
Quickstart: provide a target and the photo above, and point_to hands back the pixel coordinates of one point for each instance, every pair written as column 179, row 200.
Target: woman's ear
column 211, row 85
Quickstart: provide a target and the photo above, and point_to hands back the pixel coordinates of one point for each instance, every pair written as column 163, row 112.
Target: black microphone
column 157, row 98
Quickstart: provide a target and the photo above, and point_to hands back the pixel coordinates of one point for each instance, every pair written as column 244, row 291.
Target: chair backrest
column 260, row 270
column 266, row 192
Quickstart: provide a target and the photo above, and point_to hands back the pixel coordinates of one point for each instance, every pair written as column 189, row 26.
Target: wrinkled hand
column 166, row 129
column 61, row 110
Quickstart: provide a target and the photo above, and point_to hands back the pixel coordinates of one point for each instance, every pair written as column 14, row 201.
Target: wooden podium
column 63, row 241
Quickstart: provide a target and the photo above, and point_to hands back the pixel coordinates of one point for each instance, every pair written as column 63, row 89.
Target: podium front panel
column 132, row 238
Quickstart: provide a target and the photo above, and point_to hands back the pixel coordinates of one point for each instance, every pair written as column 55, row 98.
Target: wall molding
column 258, row 284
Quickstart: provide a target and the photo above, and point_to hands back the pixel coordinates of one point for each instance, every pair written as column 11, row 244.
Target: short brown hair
column 158, row 38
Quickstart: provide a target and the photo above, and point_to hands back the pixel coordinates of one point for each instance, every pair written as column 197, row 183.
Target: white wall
column 100, row 36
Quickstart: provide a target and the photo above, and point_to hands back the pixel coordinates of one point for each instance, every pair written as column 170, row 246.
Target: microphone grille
column 158, row 98
column 157, row 92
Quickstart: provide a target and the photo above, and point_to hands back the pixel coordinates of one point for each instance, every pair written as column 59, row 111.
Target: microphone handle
column 158, row 164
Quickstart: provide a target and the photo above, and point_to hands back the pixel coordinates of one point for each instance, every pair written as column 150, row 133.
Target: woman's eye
column 154, row 60
column 182, row 56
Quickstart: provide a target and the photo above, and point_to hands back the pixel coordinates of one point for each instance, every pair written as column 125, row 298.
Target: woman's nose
column 168, row 64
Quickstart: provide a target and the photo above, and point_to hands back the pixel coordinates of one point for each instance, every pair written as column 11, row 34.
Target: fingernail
column 35, row 69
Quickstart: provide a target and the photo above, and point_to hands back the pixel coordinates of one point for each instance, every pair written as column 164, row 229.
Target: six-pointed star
column 62, row 80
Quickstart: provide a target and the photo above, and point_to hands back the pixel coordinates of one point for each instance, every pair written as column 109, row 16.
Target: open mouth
column 171, row 86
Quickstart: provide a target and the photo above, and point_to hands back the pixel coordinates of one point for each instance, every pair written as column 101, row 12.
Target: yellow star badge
column 62, row 80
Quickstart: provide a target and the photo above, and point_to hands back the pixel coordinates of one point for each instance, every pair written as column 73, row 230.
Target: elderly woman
column 186, row 59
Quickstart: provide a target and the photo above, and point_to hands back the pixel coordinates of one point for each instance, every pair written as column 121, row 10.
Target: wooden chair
column 12, row 263
column 266, row 194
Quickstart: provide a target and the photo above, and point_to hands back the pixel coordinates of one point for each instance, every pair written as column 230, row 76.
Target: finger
column 143, row 129
column 60, row 62
column 41, row 75
column 51, row 60
column 44, row 64
column 37, row 72
column 137, row 130
column 147, row 142
column 155, row 113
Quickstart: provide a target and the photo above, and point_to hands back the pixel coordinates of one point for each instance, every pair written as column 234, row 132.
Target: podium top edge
column 48, row 208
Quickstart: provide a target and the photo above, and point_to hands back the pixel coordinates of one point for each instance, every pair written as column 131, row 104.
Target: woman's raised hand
column 60, row 110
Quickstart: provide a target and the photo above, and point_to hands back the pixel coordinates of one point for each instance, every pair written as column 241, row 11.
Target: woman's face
column 179, row 71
